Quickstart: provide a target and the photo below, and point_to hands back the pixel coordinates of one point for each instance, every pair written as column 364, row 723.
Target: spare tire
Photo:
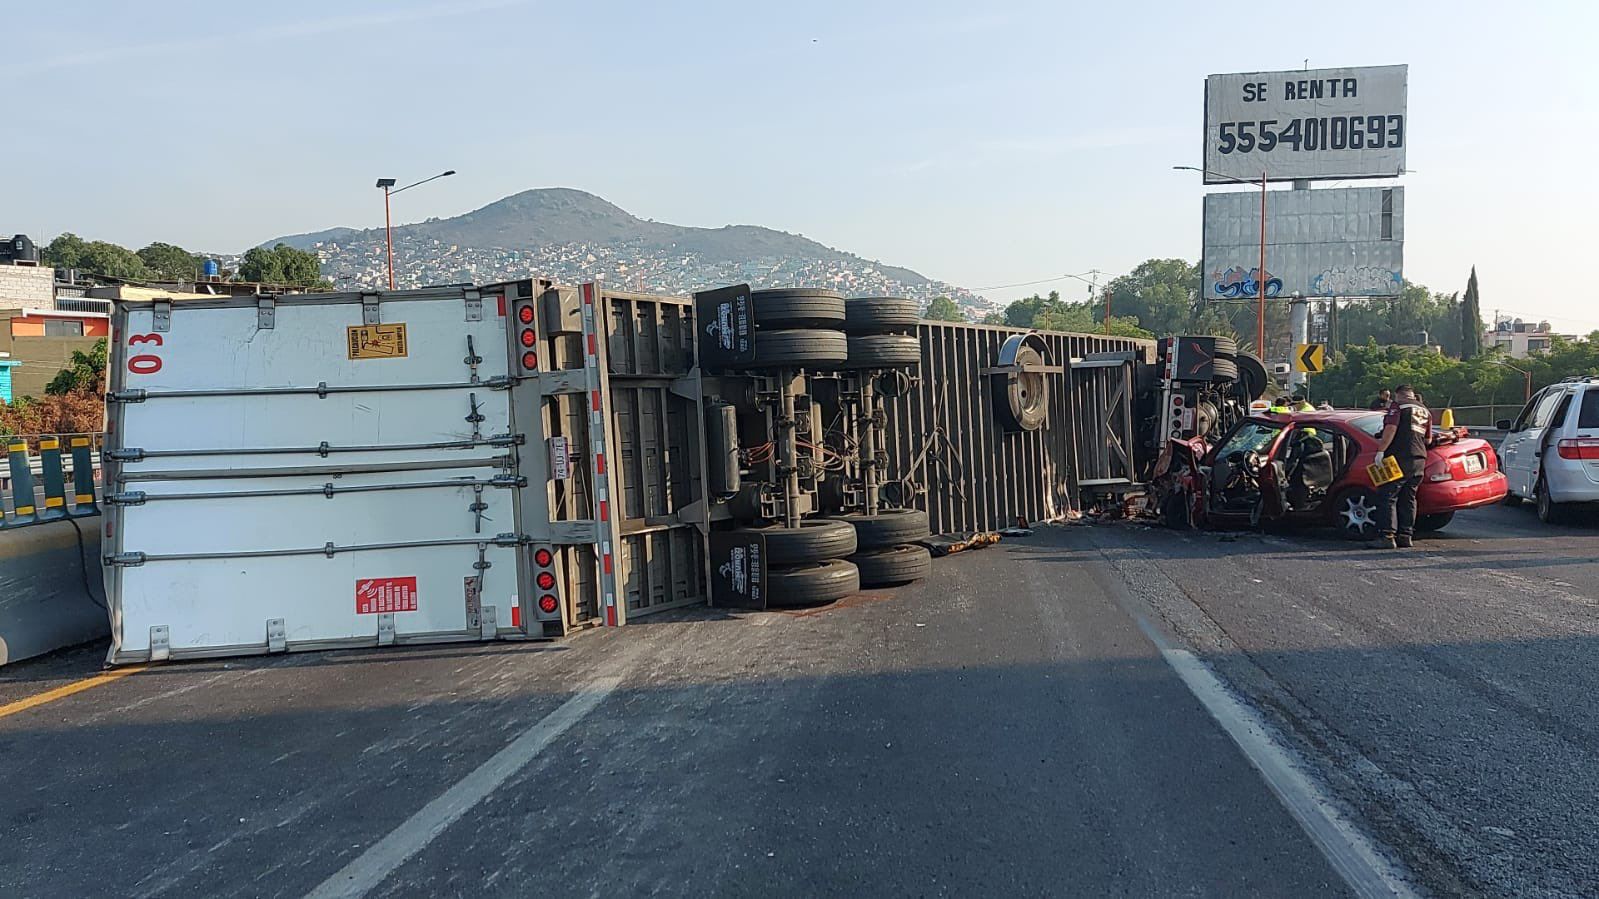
column 800, row 347
column 813, row 541
column 894, row 566
column 884, row 350
column 812, row 584
column 798, row 308
column 880, row 315
column 887, row 528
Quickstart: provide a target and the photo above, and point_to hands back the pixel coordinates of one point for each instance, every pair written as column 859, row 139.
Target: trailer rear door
column 311, row 471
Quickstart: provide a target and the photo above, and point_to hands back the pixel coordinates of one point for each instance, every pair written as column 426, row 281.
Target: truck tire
column 798, row 308
column 800, row 348
column 1226, row 348
column 813, row 541
column 890, row 527
column 881, row 315
column 1252, row 375
column 884, row 350
column 812, row 584
column 1224, row 369
column 893, row 566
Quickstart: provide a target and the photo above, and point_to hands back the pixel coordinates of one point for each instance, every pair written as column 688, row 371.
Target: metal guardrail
column 39, row 491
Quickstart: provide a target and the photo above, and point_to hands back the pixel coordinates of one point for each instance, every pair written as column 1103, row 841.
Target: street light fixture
column 1526, row 375
column 1260, row 275
column 388, row 188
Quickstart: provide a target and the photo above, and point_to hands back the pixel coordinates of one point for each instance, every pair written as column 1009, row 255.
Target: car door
column 1524, row 444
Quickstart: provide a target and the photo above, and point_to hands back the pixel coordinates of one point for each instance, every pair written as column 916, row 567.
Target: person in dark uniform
column 1383, row 401
column 1406, row 431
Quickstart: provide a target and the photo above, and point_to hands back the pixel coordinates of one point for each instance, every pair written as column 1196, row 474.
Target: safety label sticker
column 374, row 596
column 385, row 341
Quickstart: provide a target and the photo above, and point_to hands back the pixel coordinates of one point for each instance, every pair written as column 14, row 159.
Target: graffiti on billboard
column 1238, row 282
column 1356, row 281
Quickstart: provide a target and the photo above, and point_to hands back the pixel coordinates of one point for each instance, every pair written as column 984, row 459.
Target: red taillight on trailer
column 524, row 315
column 546, row 581
column 528, row 338
column 1584, row 448
column 547, row 605
column 530, row 360
column 543, row 558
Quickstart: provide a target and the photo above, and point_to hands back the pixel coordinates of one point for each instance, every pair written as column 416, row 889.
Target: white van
column 1551, row 454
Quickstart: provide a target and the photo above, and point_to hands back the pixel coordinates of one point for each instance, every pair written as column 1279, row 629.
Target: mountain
column 573, row 235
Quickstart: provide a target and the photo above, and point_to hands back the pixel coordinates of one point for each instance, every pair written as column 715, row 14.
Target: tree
column 283, row 264
column 94, row 257
column 1159, row 295
column 1052, row 314
column 172, row 262
column 86, row 374
column 1471, row 320
column 943, row 309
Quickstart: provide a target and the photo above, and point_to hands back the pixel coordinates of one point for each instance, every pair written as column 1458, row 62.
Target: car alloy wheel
column 1359, row 514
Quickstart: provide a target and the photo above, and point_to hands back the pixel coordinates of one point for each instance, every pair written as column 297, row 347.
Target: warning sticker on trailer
column 377, row 341
column 375, row 596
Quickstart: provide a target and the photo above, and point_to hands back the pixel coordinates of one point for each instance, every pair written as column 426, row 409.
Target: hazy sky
column 984, row 144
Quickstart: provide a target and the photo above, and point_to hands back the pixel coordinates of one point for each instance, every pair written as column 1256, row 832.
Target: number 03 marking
column 145, row 363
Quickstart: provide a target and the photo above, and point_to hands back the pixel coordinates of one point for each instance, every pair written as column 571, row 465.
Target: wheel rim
column 1359, row 514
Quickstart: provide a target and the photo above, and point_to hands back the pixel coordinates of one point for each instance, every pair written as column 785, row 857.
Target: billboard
column 1345, row 242
column 1314, row 123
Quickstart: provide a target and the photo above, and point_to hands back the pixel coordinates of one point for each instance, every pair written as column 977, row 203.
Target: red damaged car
column 1310, row 467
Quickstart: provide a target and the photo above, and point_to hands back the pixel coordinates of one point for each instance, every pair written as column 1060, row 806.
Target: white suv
column 1551, row 454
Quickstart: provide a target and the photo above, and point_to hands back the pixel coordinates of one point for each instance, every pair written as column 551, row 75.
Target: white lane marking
column 383, row 858
column 1354, row 856
column 1346, row 848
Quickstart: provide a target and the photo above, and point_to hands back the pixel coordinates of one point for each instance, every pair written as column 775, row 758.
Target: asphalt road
column 1008, row 728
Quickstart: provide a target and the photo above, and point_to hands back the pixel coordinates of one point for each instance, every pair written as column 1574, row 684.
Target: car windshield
column 1251, row 436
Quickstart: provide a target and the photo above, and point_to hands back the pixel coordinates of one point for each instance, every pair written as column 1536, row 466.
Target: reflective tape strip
column 607, row 563
column 24, row 510
column 595, row 396
column 599, row 463
column 18, row 447
column 594, row 349
column 49, row 444
column 54, row 502
column 82, row 498
column 80, row 441
column 605, row 510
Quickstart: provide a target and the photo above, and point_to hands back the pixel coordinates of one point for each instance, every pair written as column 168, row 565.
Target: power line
column 1082, row 277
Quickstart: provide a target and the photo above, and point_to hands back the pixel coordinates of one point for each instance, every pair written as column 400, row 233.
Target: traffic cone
column 1447, row 419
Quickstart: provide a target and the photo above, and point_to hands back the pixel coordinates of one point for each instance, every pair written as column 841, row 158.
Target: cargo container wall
column 952, row 451
column 311, row 471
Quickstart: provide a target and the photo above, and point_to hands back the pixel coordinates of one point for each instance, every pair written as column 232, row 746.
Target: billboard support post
column 1260, row 278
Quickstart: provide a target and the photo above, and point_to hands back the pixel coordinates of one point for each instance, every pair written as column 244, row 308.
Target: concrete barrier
column 43, row 605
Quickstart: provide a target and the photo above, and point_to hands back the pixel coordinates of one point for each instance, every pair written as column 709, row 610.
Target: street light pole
column 387, row 184
column 1526, row 375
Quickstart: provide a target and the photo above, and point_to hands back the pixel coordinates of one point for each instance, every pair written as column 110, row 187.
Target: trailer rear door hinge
column 127, row 498
column 277, row 636
column 507, row 440
column 489, row 622
column 386, row 629
column 161, row 315
column 511, row 540
column 125, row 560
column 126, row 454
column 369, row 309
column 266, row 313
column 474, row 306
column 500, row 382
column 160, row 643
column 128, row 396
